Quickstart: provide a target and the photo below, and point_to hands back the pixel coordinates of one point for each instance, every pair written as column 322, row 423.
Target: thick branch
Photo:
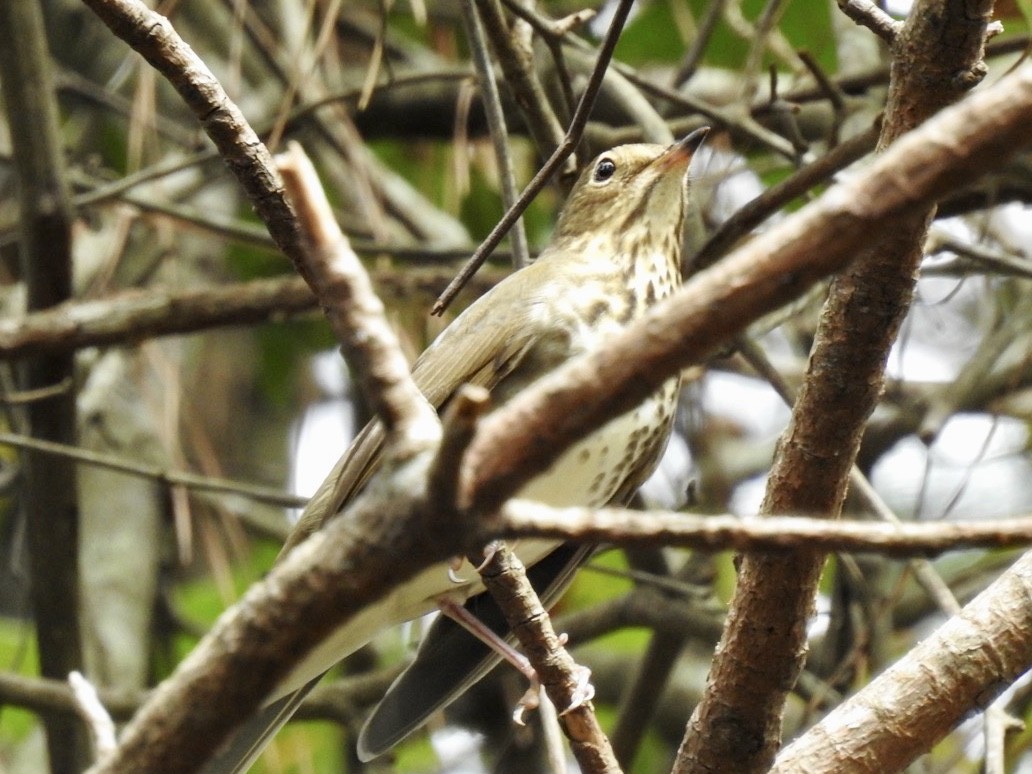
column 50, row 499
column 346, row 567
column 957, row 671
column 937, row 57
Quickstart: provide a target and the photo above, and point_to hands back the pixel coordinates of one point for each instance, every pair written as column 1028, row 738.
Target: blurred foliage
column 451, row 199
column 18, row 656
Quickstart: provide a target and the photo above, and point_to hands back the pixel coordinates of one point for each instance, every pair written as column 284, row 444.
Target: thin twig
column 254, row 492
column 867, row 14
column 777, row 196
column 836, row 97
column 764, row 30
column 703, row 35
column 563, row 680
column 566, row 147
column 517, row 63
column 496, row 123
column 767, row 534
column 102, row 727
column 554, row 34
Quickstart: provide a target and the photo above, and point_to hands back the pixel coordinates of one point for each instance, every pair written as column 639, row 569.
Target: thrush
column 615, row 251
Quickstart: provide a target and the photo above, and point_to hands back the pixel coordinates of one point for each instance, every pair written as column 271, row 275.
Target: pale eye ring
column 604, row 170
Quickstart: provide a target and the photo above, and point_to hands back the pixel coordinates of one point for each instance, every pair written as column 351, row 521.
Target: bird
column 615, row 251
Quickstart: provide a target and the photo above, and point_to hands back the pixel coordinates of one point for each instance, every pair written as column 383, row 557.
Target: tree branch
column 738, row 722
column 917, row 700
column 772, row 534
column 526, row 435
column 50, row 500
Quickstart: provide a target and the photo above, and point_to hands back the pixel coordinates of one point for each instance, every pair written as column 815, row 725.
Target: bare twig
column 41, row 694
column 504, row 576
column 977, row 256
column 703, row 36
column 866, row 13
column 566, row 147
column 101, row 726
column 768, row 534
column 496, row 123
column 765, row 34
column 777, row 196
column 259, row 494
column 517, row 64
column 554, row 34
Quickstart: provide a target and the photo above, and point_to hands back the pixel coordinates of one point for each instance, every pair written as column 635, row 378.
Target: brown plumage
column 615, row 251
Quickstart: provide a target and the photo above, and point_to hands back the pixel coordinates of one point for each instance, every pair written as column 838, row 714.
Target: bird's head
column 627, row 185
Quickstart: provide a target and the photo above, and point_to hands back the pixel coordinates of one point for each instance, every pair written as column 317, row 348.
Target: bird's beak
column 681, row 152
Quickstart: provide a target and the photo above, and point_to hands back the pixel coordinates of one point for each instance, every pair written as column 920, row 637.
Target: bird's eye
column 604, row 170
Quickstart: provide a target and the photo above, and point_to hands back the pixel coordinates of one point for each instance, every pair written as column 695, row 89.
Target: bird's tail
column 239, row 754
column 448, row 662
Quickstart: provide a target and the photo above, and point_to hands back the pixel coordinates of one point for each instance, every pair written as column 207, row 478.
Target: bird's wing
column 489, row 348
column 483, row 355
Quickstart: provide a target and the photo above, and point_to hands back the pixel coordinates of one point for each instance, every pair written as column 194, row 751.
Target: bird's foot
column 583, row 692
column 531, row 699
column 456, row 563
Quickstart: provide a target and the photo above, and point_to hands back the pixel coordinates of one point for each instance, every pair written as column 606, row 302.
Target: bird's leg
column 478, row 629
column 531, row 699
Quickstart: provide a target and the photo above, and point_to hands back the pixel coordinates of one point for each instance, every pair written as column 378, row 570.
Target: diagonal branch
column 342, row 569
column 925, row 693
column 153, row 36
column 937, row 58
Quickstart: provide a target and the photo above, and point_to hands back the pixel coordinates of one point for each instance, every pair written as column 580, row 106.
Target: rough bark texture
column 937, row 56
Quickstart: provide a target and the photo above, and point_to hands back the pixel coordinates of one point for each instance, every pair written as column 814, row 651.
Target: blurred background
column 385, row 98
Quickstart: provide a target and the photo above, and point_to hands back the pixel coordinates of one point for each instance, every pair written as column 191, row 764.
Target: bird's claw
column 583, row 693
column 529, row 701
column 456, row 563
column 489, row 553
